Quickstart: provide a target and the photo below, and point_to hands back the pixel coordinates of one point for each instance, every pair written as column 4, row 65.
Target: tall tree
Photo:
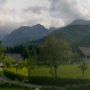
column 53, row 52
column 8, row 62
column 29, row 64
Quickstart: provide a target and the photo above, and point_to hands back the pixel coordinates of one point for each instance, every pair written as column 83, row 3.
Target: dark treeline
column 25, row 51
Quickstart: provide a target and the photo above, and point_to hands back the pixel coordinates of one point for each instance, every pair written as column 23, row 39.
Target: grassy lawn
column 1, row 69
column 64, row 71
column 10, row 88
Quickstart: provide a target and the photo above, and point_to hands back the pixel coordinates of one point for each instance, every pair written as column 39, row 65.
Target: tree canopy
column 53, row 53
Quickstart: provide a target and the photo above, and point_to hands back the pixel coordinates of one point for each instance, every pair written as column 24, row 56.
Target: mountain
column 72, row 33
column 80, row 22
column 36, row 42
column 51, row 29
column 25, row 34
column 83, row 42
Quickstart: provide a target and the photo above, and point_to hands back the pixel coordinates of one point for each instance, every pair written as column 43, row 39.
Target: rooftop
column 85, row 50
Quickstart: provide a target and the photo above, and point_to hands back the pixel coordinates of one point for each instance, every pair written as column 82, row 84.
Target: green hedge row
column 78, row 87
column 46, row 80
column 8, row 85
column 5, row 85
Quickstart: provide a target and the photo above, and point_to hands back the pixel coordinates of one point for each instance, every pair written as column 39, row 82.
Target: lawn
column 10, row 88
column 1, row 69
column 64, row 71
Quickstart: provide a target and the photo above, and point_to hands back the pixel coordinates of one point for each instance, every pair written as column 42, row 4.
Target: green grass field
column 10, row 88
column 64, row 71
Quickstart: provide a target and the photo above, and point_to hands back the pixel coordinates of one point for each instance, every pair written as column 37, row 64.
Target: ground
column 64, row 71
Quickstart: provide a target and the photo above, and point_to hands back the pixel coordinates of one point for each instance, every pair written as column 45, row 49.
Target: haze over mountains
column 75, row 31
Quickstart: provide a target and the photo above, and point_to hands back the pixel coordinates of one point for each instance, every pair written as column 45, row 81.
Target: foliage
column 29, row 63
column 83, row 67
column 17, row 65
column 25, row 51
column 50, row 81
column 53, row 52
column 72, row 33
column 8, row 62
column 12, row 86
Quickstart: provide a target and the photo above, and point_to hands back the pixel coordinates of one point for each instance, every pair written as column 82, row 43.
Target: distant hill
column 72, row 33
column 36, row 34
column 83, row 42
column 36, row 42
column 25, row 34
column 80, row 22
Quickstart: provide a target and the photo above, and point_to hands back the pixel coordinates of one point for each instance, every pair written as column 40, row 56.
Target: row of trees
column 52, row 53
column 25, row 51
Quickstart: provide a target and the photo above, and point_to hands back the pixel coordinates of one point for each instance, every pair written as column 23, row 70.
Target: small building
column 15, row 56
column 84, row 54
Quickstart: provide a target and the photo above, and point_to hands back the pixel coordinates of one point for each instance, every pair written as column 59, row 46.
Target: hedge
column 78, row 87
column 46, row 80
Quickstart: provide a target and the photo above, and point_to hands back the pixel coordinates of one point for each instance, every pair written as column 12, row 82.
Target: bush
column 8, row 85
column 78, row 87
column 12, row 75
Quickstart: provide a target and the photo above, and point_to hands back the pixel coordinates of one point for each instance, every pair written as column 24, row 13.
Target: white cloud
column 55, row 13
column 70, row 9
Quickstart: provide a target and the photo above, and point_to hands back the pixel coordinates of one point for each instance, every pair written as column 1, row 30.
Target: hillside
column 83, row 42
column 25, row 34
column 72, row 33
column 80, row 22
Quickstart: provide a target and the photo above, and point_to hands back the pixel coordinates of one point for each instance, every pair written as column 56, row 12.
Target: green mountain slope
column 84, row 42
column 25, row 34
column 72, row 33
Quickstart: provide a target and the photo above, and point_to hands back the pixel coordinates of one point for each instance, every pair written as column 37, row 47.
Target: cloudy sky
column 56, row 13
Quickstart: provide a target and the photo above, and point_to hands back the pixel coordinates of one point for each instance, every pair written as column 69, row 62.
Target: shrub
column 12, row 75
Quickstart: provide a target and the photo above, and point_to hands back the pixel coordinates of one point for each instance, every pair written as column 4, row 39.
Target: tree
column 8, row 62
column 29, row 63
column 53, row 52
column 16, row 64
column 83, row 67
column 25, row 53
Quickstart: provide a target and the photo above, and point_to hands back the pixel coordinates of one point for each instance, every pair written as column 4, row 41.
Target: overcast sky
column 56, row 13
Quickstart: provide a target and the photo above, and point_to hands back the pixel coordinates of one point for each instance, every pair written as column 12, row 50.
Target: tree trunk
column 55, row 70
column 51, row 71
column 28, row 72
column 16, row 69
column 83, row 73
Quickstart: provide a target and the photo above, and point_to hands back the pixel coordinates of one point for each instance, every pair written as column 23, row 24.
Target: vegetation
column 8, row 62
column 50, row 81
column 78, row 87
column 54, row 52
column 64, row 71
column 29, row 63
column 12, row 86
column 83, row 67
column 25, row 51
column 72, row 33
